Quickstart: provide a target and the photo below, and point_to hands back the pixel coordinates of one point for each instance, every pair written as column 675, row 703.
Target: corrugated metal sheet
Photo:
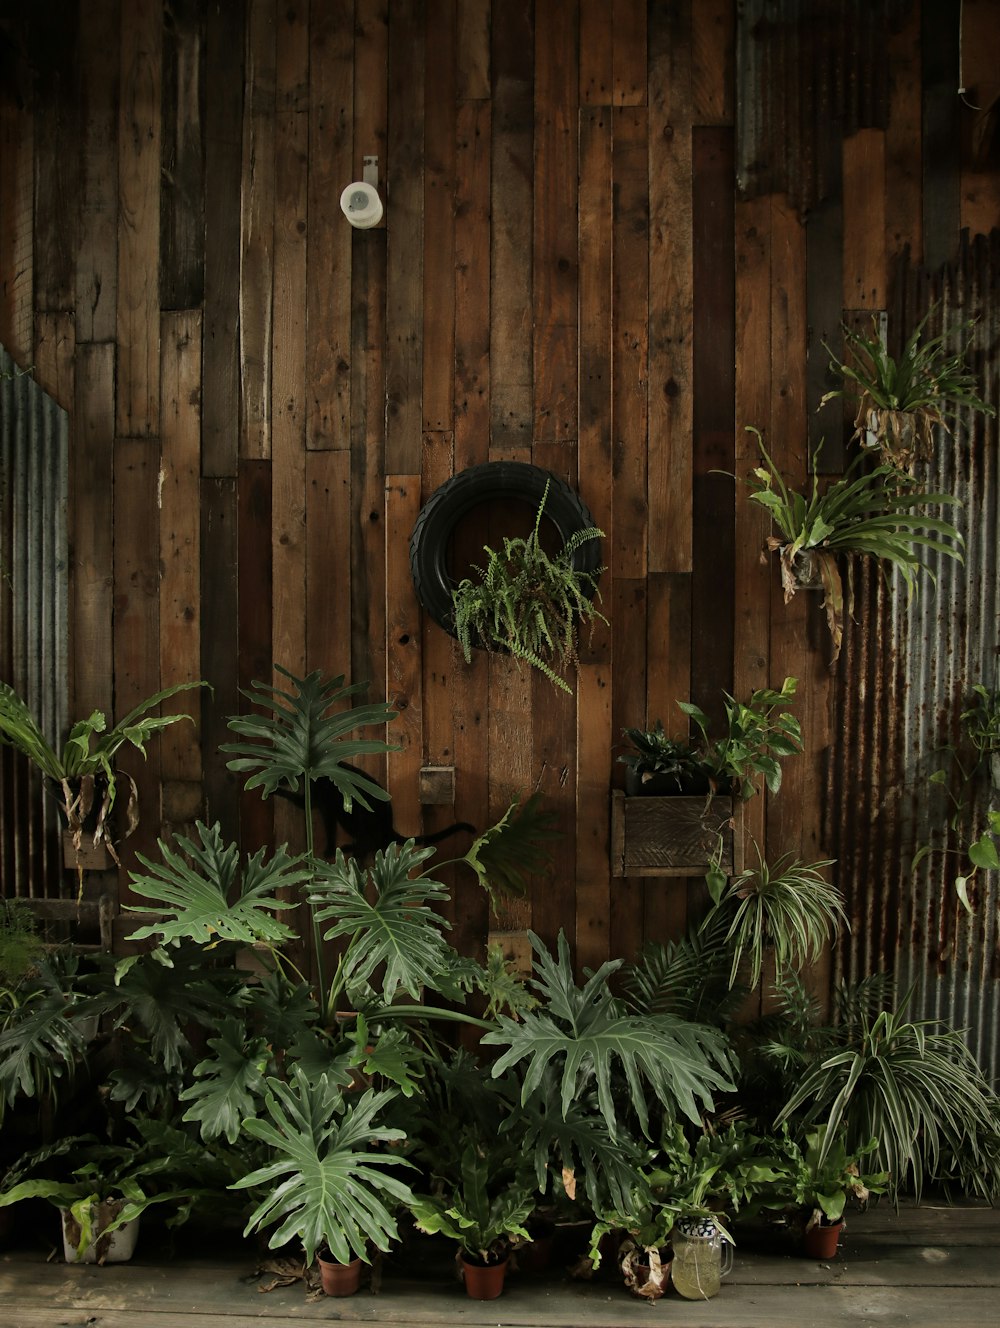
column 904, row 678
column 808, row 73
column 34, row 459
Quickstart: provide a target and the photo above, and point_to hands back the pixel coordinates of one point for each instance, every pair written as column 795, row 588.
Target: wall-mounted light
column 360, row 202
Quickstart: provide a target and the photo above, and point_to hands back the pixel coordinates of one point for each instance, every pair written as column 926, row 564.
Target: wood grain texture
column 328, row 562
column 472, row 286
column 182, row 195
column 255, row 612
column 17, row 264
column 404, row 691
column 596, row 52
column 670, row 836
column 980, row 62
column 866, row 275
column 713, row 62
column 96, row 268
column 58, row 160
column 903, row 173
column 440, row 130
column 138, row 321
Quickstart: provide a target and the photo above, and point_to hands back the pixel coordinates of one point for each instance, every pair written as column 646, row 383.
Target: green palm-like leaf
column 394, row 927
column 302, row 740
column 38, row 1044
column 228, row 1086
column 192, row 889
column 485, row 1208
column 586, row 1034
column 328, row 1186
column 506, row 855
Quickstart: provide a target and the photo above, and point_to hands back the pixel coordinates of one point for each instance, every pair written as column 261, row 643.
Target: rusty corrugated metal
column 904, row 678
column 34, row 459
column 808, row 73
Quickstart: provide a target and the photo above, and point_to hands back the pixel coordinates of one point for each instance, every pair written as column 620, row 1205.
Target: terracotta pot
column 483, row 1281
column 820, row 1241
column 339, row 1279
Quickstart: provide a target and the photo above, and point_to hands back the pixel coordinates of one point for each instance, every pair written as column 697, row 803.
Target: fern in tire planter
column 529, row 604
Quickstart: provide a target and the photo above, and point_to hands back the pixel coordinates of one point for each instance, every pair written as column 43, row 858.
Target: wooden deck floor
column 930, row 1266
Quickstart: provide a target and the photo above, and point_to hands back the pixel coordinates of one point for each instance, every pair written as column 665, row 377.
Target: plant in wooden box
column 683, row 835
column 333, row 1177
column 901, row 402
column 880, row 513
column 83, row 776
column 529, row 603
column 659, row 766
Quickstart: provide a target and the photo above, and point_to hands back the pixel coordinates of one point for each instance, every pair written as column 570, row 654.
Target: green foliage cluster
column 529, row 603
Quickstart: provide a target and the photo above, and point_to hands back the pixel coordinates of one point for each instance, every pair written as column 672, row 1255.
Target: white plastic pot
column 118, row 1247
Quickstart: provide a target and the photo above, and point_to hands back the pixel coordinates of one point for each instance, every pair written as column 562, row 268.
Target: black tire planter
column 471, row 488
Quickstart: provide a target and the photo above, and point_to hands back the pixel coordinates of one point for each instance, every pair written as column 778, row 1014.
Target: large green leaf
column 326, row 1184
column 505, row 856
column 38, row 1044
column 385, row 916
column 228, row 1086
column 192, row 889
column 302, row 740
column 586, row 1034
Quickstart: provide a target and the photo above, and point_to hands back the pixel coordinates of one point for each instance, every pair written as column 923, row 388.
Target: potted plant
column 820, row 1179
column 83, row 775
column 103, row 1191
column 528, row 602
column 900, row 402
column 686, row 835
column 333, row 1177
column 876, row 512
column 659, row 766
column 482, row 1206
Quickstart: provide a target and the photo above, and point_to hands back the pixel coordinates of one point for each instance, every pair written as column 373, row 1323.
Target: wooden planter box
column 674, row 836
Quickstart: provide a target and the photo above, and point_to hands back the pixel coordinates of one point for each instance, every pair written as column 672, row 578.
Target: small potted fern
column 901, row 401
column 528, row 603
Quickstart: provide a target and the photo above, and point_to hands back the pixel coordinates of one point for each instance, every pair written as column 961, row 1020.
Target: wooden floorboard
column 932, row 1267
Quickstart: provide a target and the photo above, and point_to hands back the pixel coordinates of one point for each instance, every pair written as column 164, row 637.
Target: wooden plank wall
column 262, row 398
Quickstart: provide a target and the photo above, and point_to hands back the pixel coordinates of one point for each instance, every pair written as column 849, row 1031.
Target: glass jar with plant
column 879, row 513
column 901, row 402
column 529, row 603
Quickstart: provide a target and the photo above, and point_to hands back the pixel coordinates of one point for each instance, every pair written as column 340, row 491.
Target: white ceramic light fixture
column 360, row 202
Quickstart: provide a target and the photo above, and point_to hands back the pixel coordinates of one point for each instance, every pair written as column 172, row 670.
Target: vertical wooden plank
column 594, row 461
column 866, row 264
column 331, row 167
column 752, row 571
column 472, row 285
column 629, row 53
column 713, row 81
column 554, row 263
column 670, row 295
column 57, row 159
column 254, row 599
column 630, row 360
column 511, row 205
column 328, row 561
column 224, row 112
column 137, row 620
column 257, row 223
column 592, row 905
column 220, row 646
column 402, row 653
column 669, row 643
column 940, row 138
column 182, row 200
column 825, row 285
column 288, row 403
column 596, row 52
column 629, row 614
column 368, row 463
column 17, row 263
column 371, row 87
column 473, row 29
column 903, row 175
column 138, row 330
column 714, row 388
column 980, row 63
column 180, row 540
column 55, row 346
column 439, row 216
column 405, row 224
column 96, row 298
column 91, row 519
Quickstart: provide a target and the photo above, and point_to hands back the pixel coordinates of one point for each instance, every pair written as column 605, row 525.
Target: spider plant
column 900, row 402
column 528, row 603
column 915, row 1087
column 981, row 721
column 877, row 512
column 789, row 907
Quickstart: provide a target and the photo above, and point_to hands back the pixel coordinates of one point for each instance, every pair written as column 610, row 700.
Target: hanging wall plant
column 900, row 402
column 879, row 512
column 525, row 601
